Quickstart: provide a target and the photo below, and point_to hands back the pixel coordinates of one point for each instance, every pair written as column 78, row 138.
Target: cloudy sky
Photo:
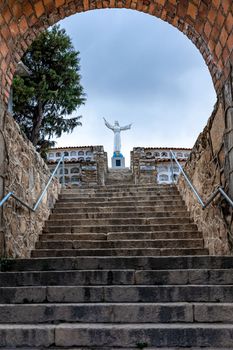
column 138, row 69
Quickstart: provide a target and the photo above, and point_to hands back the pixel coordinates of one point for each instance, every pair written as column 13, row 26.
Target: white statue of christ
column 116, row 128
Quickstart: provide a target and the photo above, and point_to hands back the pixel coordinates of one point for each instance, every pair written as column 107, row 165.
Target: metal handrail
column 219, row 190
column 11, row 194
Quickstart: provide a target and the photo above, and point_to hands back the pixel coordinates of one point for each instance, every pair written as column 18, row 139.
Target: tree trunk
column 37, row 121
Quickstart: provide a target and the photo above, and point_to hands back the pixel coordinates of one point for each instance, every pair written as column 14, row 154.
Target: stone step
column 117, row 313
column 189, row 335
column 117, row 294
column 123, row 214
column 111, row 336
column 131, row 190
column 117, row 277
column 122, row 263
column 117, row 194
column 126, row 186
column 117, row 348
column 118, row 221
column 122, row 188
column 109, row 313
column 132, row 203
column 122, row 236
column 119, row 228
column 118, row 252
column 99, row 244
column 119, row 199
column 67, row 209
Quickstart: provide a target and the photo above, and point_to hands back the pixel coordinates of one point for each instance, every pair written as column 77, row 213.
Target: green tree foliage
column 43, row 101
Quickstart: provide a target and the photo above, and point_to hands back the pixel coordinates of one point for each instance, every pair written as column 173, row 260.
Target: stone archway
column 207, row 23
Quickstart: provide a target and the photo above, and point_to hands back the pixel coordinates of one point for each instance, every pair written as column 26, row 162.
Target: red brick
column 3, row 48
column 32, row 20
column 173, row 2
column 215, row 34
column 5, row 32
column 207, row 29
column 139, row 5
column 203, row 9
column 59, row 3
column 27, row 9
column 151, row 9
column 164, row 15
column 161, row 2
column 230, row 42
column 4, row 66
column 2, row 20
column 112, row 3
column 199, row 25
column 211, row 45
column 24, row 45
column 216, row 3
column 39, row 8
column 86, row 4
column 49, row 5
column 182, row 8
column 14, row 28
column 226, row 5
column 212, row 15
column 218, row 50
column 223, row 36
column 7, row 15
column 17, row 9
column 225, row 54
column 23, row 25
column 192, row 10
column 229, row 22
column 220, row 19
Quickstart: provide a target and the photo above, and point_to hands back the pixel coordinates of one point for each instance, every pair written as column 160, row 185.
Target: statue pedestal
column 118, row 161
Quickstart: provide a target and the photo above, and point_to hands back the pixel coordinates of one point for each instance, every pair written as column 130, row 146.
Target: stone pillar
column 99, row 156
column 228, row 143
column 2, row 173
column 135, row 161
column 228, row 137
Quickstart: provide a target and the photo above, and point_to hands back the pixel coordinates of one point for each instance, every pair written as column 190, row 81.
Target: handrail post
column 6, row 198
column 173, row 180
column 223, row 193
column 48, row 183
column 63, row 171
column 188, row 181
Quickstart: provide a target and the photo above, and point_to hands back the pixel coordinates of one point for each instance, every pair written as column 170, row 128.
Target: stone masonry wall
column 144, row 170
column 205, row 168
column 26, row 174
column 102, row 165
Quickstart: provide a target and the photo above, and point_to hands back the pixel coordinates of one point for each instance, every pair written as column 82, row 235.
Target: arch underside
column 208, row 24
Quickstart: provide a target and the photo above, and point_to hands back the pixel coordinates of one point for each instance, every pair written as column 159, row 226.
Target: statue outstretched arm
column 108, row 125
column 126, row 127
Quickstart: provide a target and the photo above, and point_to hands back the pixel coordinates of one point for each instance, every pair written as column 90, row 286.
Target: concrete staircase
column 118, row 268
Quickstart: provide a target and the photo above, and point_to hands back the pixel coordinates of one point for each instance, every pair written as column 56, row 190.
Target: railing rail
column 36, row 205
column 219, row 190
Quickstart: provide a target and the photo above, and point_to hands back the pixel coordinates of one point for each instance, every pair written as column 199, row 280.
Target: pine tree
column 43, row 101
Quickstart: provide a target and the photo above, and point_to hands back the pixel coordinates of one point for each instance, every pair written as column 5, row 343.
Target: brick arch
column 207, row 23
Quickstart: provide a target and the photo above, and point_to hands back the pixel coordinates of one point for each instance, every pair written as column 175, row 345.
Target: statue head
column 116, row 123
